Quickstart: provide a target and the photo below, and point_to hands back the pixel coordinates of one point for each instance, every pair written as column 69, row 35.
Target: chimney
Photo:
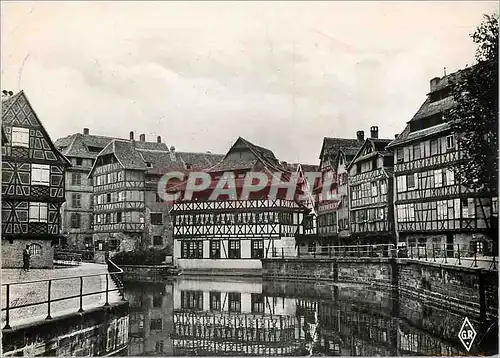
column 132, row 135
column 158, row 139
column 86, row 131
column 434, row 82
column 209, row 152
column 172, row 149
column 361, row 136
column 6, row 93
column 396, row 136
column 374, row 132
column 142, row 137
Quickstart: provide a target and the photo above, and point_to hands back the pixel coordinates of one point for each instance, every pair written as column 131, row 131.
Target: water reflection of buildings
column 229, row 316
column 150, row 319
column 233, row 318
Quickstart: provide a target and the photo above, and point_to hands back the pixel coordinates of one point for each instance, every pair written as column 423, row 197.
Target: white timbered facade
column 33, row 173
column 233, row 318
column 432, row 208
column 370, row 193
column 236, row 234
column 330, row 201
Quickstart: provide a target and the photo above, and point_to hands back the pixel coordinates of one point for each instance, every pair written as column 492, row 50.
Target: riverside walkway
column 40, row 294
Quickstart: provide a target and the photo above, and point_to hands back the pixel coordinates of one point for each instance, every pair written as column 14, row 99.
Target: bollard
column 81, row 295
column 458, row 246
column 445, row 254
column 282, row 253
column 7, row 306
column 475, row 256
column 494, row 262
column 48, row 300
column 314, row 252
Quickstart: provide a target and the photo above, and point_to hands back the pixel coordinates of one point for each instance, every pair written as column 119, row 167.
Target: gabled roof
column 32, row 120
column 377, row 146
column 332, row 145
column 155, row 158
column 261, row 154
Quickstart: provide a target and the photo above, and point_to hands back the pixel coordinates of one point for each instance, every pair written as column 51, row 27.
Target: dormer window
column 149, row 164
column 94, row 149
column 188, row 166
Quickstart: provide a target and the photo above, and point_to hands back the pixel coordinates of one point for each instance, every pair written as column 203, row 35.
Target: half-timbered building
column 370, row 192
column 233, row 318
column 228, row 233
column 76, row 214
column 345, row 156
column 127, row 210
column 432, row 207
column 328, row 200
column 33, row 173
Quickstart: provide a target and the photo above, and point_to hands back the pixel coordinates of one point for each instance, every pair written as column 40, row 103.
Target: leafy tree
column 475, row 117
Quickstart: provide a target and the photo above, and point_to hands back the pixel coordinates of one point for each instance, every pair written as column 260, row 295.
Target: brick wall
column 12, row 254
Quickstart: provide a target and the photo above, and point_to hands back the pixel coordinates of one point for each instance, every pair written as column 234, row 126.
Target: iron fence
column 453, row 254
column 86, row 255
column 47, row 299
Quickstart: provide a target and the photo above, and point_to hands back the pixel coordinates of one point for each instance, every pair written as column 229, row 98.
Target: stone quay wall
column 95, row 332
column 468, row 290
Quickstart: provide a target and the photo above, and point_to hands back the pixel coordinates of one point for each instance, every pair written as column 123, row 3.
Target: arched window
column 75, row 220
column 36, row 249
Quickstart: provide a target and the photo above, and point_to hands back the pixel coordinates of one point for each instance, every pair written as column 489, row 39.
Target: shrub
column 150, row 256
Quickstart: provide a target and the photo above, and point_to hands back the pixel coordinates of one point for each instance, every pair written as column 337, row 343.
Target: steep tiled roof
column 126, row 154
column 77, row 145
column 406, row 136
column 262, row 155
column 200, row 161
column 23, row 100
column 428, row 109
column 379, row 148
column 332, row 145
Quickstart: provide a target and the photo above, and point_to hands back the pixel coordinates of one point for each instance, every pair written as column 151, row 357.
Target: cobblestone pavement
column 26, row 293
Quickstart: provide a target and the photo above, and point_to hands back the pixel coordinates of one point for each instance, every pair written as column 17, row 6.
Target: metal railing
column 67, row 258
column 86, row 255
column 114, row 271
column 361, row 251
column 456, row 254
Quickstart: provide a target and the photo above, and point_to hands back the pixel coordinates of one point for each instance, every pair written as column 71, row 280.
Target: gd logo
column 467, row 334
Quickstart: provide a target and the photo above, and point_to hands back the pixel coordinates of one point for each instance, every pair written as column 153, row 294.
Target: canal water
column 230, row 316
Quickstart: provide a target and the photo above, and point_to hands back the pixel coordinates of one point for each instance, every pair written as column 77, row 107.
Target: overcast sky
column 200, row 74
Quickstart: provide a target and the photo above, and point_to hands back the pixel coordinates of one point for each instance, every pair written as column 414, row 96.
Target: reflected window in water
column 192, row 300
column 159, row 347
column 157, row 301
column 156, row 324
column 234, row 299
column 257, row 303
column 215, row 301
